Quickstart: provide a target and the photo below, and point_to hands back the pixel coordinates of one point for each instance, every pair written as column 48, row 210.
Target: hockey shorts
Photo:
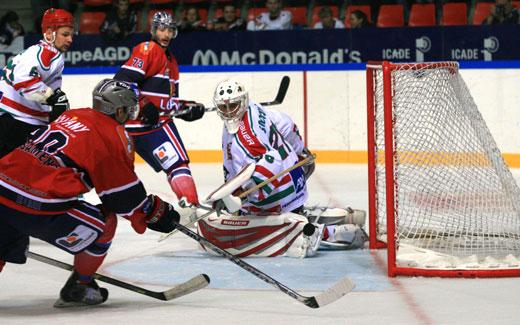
column 73, row 231
column 161, row 148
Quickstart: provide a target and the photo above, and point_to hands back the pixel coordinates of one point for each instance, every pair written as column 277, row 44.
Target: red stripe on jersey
column 176, row 143
column 253, row 209
column 27, row 83
column 248, row 139
column 268, row 174
column 21, row 108
column 27, row 210
column 88, row 219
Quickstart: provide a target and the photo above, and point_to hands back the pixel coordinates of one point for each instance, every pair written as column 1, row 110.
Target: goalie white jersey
column 271, row 140
column 30, row 74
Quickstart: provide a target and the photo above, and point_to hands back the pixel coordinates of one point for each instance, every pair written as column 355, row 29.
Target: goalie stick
column 184, row 204
column 332, row 294
column 280, row 96
column 198, row 282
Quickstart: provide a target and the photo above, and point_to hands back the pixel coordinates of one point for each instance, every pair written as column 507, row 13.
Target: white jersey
column 271, row 140
column 264, row 22
column 30, row 74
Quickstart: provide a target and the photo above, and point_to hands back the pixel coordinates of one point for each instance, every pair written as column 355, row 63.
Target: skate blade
column 60, row 303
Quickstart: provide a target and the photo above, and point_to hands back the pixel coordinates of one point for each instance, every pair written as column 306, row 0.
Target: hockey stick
column 198, row 282
column 242, row 195
column 332, row 294
column 280, row 96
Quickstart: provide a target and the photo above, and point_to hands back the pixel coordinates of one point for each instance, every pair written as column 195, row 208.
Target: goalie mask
column 163, row 19
column 231, row 100
column 109, row 95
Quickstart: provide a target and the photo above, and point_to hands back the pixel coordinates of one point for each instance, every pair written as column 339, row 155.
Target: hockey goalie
column 272, row 220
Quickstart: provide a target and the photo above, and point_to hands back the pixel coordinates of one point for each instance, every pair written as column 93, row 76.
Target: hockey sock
column 182, row 184
column 2, row 264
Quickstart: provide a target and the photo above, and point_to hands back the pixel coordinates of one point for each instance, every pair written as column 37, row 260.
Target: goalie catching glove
column 156, row 215
column 59, row 103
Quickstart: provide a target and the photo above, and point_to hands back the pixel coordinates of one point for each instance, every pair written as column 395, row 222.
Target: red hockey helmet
column 55, row 18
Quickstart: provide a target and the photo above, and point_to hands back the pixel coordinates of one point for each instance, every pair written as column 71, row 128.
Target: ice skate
column 75, row 294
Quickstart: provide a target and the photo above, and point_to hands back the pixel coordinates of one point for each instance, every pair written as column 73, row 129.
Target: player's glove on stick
column 150, row 114
column 156, row 215
column 308, row 168
column 194, row 111
column 59, row 103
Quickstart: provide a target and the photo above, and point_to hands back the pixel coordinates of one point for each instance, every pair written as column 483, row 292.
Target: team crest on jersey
column 166, row 155
column 78, row 239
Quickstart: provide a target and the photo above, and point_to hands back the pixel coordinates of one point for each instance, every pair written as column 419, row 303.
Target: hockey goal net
column 441, row 198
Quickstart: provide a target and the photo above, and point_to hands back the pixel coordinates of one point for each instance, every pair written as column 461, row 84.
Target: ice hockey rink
column 27, row 292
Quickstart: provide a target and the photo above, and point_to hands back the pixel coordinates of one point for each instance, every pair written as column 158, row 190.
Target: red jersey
column 81, row 150
column 155, row 72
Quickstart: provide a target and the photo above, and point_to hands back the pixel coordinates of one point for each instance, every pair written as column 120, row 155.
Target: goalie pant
column 25, row 83
column 155, row 73
column 260, row 236
column 40, row 183
column 271, row 140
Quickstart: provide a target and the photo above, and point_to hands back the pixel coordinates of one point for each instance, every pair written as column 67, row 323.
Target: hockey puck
column 309, row 229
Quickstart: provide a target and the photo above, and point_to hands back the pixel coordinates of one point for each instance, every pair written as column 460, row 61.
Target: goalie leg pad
column 255, row 236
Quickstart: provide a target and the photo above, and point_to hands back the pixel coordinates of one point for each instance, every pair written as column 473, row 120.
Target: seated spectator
column 359, row 19
column 327, row 21
column 119, row 22
column 503, row 13
column 274, row 18
column 192, row 21
column 10, row 28
column 229, row 20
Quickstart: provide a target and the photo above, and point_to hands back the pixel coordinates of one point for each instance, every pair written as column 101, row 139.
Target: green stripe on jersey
column 277, row 197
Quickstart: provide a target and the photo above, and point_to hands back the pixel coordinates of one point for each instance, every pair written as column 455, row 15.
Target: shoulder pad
column 46, row 54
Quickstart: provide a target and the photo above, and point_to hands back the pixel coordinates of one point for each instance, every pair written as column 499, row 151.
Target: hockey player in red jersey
column 153, row 70
column 40, row 183
column 30, row 93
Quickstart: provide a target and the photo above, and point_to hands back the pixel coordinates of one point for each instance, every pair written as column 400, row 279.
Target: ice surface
column 28, row 291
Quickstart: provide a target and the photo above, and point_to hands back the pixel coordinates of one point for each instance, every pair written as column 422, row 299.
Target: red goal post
column 441, row 199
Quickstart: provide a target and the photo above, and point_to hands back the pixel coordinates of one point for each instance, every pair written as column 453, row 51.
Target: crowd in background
column 115, row 19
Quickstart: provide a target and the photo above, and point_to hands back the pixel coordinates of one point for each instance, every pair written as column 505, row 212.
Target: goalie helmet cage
column 441, row 198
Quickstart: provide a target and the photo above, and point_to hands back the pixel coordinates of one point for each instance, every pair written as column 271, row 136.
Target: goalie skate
column 335, row 216
column 74, row 294
column 346, row 236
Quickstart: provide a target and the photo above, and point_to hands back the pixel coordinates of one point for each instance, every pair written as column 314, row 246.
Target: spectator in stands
column 274, row 18
column 119, row 22
column 503, row 13
column 229, row 19
column 192, row 21
column 10, row 28
column 359, row 19
column 327, row 21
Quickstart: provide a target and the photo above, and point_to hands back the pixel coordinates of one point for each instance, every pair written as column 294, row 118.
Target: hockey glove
column 193, row 111
column 157, row 215
column 59, row 103
column 308, row 168
column 150, row 114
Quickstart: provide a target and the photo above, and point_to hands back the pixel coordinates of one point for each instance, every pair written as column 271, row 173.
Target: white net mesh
column 457, row 204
